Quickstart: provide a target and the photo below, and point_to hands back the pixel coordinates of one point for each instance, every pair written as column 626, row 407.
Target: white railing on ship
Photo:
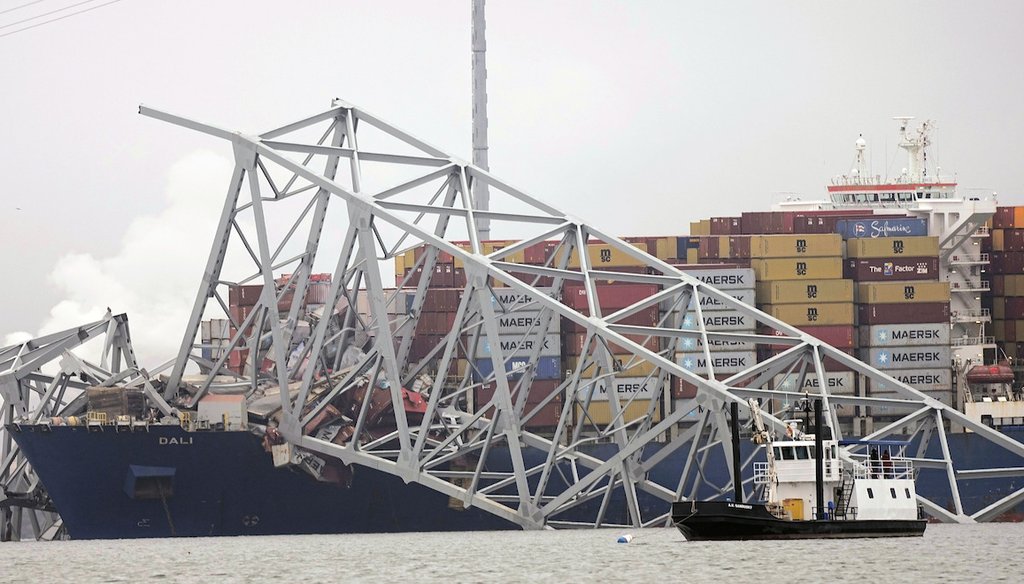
column 897, row 468
column 970, row 286
column 969, row 259
column 967, row 341
column 981, row 231
column 760, row 473
column 979, row 313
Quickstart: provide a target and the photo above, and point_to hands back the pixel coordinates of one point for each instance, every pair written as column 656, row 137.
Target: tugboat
column 872, row 496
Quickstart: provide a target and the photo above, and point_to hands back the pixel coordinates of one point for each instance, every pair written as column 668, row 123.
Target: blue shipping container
column 870, row 228
column 547, row 368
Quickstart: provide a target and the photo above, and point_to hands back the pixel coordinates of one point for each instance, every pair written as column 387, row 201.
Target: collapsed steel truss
column 407, row 193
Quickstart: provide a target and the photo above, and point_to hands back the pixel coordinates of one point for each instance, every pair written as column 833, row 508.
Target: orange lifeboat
column 990, row 374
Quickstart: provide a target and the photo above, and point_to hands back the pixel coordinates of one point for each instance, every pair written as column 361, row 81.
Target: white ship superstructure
column 959, row 222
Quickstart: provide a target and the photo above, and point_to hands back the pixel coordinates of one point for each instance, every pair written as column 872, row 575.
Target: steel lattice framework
column 401, row 192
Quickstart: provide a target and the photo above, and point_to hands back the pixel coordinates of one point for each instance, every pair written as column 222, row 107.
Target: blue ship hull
column 224, row 483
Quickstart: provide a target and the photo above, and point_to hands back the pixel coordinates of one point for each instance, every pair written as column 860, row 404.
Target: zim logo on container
column 801, row 268
column 908, row 292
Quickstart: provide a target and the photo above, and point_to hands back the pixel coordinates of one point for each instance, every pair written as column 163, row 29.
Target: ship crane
column 762, row 436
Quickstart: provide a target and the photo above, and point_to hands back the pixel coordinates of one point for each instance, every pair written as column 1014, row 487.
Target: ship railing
column 967, row 341
column 968, row 286
column 896, row 468
column 958, row 315
column 834, row 513
column 981, row 231
column 982, row 258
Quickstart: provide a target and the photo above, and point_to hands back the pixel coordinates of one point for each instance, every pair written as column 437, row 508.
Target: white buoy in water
column 625, row 538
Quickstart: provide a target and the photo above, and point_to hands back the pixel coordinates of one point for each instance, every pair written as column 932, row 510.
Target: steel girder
column 408, row 193
column 44, row 378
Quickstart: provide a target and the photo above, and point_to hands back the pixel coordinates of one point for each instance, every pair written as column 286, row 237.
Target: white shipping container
column 707, row 303
column 720, row 320
column 626, row 387
column 724, row 279
column 936, row 379
column 937, row 356
column 510, row 299
column 904, row 335
column 837, row 382
column 520, row 346
column 722, row 361
column 522, row 321
column 227, row 409
column 696, row 343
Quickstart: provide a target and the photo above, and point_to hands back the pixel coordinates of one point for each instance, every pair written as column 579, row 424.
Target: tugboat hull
column 721, row 520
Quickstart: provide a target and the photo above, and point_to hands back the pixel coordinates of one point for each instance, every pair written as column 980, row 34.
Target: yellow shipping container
column 665, row 248
column 788, row 246
column 902, row 292
column 832, row 313
column 1014, row 285
column 887, row 247
column 702, row 227
column 798, row 269
column 605, row 256
column 796, row 291
column 692, row 256
column 400, row 265
column 636, row 367
column 600, row 413
column 997, row 240
column 998, row 309
column 998, row 330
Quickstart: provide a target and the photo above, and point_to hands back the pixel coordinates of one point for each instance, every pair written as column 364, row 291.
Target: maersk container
column 573, row 343
column 797, row 291
column 720, row 320
column 721, row 361
column 641, row 388
column 695, row 343
column 789, row 246
column 837, row 382
column 888, row 247
column 929, row 356
column 905, row 335
column 881, row 227
column 546, row 368
column 519, row 346
column 891, row 269
column 522, row 321
column 723, row 279
column 798, row 268
column 932, row 379
column 870, row 314
column 835, row 313
column 708, row 302
column 902, row 292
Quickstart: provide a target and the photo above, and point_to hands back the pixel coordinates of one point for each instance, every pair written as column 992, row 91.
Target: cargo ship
column 889, row 272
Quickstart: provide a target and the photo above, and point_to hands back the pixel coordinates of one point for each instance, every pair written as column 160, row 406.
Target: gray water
column 946, row 553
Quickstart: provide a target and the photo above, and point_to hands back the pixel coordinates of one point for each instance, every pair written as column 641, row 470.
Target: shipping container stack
column 242, row 300
column 903, row 312
column 728, row 357
column 1005, row 246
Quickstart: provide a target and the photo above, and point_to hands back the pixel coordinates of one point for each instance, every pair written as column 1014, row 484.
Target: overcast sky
column 637, row 116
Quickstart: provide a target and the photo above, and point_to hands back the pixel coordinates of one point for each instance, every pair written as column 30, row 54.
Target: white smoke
column 154, row 276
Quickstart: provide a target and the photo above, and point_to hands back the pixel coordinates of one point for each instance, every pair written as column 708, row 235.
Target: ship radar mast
column 860, row 166
column 916, row 144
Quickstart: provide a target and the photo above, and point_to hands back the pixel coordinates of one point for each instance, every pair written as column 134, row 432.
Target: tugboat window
column 801, row 453
column 907, row 491
column 893, row 493
column 871, row 494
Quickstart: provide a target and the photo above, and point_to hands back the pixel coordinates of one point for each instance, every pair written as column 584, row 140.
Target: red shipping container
column 539, row 253
column 646, row 317
column 739, row 247
column 708, row 247
column 610, row 297
column 247, row 295
column 1014, row 308
column 1003, row 219
column 868, row 314
column 1013, row 240
column 685, row 390
column 1010, row 331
